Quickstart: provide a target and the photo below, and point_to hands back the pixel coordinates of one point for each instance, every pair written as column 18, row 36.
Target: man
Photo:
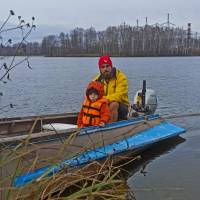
column 115, row 88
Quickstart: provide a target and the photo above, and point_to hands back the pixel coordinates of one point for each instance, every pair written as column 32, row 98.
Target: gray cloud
column 100, row 14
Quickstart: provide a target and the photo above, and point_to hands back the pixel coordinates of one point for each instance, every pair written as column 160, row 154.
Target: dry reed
column 97, row 180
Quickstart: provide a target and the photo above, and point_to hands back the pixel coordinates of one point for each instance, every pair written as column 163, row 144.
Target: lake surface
column 56, row 85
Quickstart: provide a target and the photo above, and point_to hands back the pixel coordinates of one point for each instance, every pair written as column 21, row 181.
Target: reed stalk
column 96, row 180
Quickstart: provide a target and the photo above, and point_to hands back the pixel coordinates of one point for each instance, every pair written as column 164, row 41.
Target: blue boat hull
column 142, row 139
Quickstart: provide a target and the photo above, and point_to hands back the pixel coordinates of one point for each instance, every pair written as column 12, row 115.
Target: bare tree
column 91, row 40
column 6, row 67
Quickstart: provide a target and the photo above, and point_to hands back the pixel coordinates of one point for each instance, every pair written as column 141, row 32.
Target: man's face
column 106, row 70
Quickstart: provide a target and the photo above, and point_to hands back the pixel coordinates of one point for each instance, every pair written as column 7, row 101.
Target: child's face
column 93, row 97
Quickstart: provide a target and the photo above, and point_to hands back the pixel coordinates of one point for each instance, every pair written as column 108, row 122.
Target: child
column 95, row 110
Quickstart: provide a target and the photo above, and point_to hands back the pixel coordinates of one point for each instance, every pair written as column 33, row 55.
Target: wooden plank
column 50, row 116
column 35, row 135
column 24, row 125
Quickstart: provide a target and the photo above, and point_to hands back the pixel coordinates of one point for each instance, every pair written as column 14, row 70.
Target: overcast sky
column 102, row 13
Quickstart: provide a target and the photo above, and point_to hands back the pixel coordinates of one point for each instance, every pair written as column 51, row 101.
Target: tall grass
column 97, row 180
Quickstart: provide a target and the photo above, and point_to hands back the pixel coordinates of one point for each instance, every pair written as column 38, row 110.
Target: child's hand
column 102, row 124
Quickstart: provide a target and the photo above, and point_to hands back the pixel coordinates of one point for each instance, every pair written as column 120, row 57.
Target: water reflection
column 147, row 157
column 151, row 154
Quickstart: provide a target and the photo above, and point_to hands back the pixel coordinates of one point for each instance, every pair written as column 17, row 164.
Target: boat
column 87, row 144
column 45, row 134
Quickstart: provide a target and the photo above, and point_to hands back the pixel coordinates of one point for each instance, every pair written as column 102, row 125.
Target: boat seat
column 58, row 126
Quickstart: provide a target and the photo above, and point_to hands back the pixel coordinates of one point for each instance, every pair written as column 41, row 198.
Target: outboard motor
column 145, row 101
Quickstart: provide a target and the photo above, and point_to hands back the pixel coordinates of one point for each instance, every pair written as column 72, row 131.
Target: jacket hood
column 97, row 86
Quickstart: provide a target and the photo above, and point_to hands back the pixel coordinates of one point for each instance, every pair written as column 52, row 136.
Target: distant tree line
column 122, row 40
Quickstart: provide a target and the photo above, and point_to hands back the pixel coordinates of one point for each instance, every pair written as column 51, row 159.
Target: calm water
column 56, row 85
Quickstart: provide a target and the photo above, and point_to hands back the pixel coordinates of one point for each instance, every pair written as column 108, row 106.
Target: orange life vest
column 92, row 111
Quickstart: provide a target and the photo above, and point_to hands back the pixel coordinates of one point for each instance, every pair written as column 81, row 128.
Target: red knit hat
column 105, row 60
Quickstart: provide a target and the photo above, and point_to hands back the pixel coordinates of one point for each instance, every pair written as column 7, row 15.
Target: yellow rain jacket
column 117, row 87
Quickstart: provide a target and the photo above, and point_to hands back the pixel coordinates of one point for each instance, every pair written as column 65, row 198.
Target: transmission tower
column 168, row 23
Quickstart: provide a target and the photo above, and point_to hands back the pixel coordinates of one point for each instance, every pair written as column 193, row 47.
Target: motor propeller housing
column 150, row 102
column 145, row 102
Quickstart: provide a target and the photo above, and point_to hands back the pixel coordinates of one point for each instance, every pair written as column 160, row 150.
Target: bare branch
column 5, row 69
column 11, row 13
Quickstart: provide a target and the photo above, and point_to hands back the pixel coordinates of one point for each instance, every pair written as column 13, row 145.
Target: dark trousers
column 122, row 111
